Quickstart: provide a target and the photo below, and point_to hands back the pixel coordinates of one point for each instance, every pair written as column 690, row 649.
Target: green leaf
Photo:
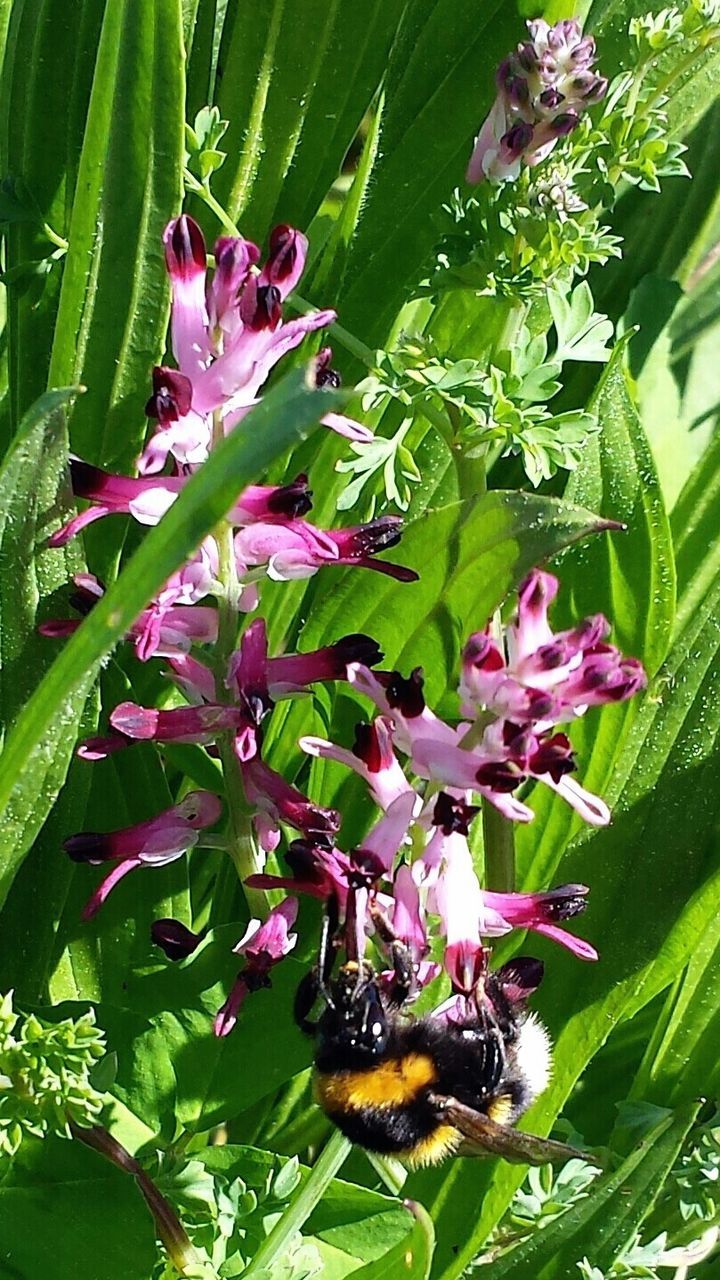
column 47, row 77
column 113, row 306
column 604, row 1223
column 30, row 572
column 630, row 577
column 65, row 1212
column 695, row 528
column 297, row 80
column 581, row 332
column 38, row 751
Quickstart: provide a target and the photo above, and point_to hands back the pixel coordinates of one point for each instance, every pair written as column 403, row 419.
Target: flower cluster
column 515, row 689
column 413, row 874
column 542, row 90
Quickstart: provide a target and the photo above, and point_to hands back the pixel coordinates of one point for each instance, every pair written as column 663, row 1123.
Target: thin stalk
column 241, row 842
column 321, row 1175
column 181, row 1251
column 499, row 844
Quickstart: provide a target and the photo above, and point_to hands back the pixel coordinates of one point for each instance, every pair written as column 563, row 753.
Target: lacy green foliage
column 227, row 1219
column 46, row 1075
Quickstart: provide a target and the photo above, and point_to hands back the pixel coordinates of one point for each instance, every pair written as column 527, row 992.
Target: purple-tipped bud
column 174, row 938
column 564, row 124
column 517, row 91
column 517, row 139
column 184, row 248
column 366, row 747
column 283, row 254
column 268, row 308
column 551, row 98
column 527, row 56
column 597, row 90
column 172, row 395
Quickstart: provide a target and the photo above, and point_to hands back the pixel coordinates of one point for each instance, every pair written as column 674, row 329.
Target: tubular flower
column 163, row 839
column 543, row 87
column 262, row 945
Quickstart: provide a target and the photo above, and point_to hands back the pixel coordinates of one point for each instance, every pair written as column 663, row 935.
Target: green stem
column 321, row 1175
column 241, row 841
column 59, row 241
column 499, row 843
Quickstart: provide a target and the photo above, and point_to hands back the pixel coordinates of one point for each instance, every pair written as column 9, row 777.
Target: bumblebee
column 425, row 1088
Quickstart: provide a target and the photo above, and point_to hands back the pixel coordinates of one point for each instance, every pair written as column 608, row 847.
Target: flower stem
column 499, row 843
column 241, row 843
column 181, row 1251
column 326, row 1166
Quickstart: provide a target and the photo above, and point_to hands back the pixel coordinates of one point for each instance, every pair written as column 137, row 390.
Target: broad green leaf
column 113, row 306
column 629, row 577
column 604, row 1223
column 444, row 53
column 296, row 80
column 45, row 88
column 681, row 1059
column 66, row 1212
column 31, row 573
column 655, row 890
column 695, row 533
column 37, row 753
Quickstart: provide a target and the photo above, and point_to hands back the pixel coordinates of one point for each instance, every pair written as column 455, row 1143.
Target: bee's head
column 356, row 1019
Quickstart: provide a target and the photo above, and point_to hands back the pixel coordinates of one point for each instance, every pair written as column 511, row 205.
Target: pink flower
column 154, row 843
column 542, row 90
column 541, row 912
column 297, row 549
column 372, row 756
column 262, row 945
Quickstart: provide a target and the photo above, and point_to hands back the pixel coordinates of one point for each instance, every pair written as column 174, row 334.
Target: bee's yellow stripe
column 442, row 1142
column 500, row 1108
column 392, row 1083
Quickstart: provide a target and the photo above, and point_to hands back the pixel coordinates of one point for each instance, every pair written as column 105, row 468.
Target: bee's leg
column 315, row 984
column 403, row 984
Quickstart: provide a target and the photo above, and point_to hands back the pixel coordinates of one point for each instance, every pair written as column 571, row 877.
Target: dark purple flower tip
column 520, row 977
column 563, row 903
column 325, row 376
column 367, row 747
column 377, row 535
column 564, row 124
column 172, row 395
column 584, row 50
column 551, row 98
column 267, row 313
column 291, row 500
column 174, row 938
column 517, row 91
column 453, row 815
column 184, row 247
column 89, row 846
column 367, row 868
column 234, row 256
column 498, row 775
column 526, row 56
column 356, row 647
column 283, row 253
column 554, row 654
column 553, row 756
column 405, row 694
column 87, row 480
column 517, row 139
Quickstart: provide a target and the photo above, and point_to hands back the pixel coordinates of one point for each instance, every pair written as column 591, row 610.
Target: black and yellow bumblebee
column 424, row 1088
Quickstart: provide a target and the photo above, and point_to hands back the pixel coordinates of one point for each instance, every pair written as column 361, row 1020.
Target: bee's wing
column 500, row 1140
